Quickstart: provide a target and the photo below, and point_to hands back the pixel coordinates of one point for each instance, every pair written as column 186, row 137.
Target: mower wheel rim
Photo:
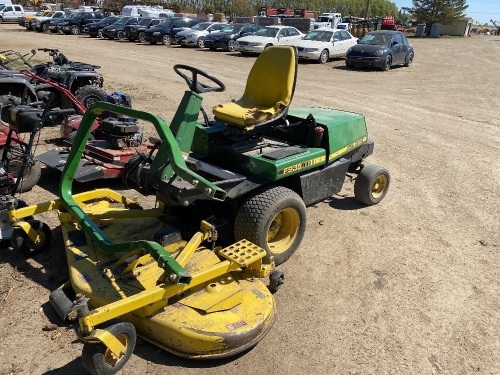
column 41, row 236
column 283, row 230
column 109, row 357
column 379, row 186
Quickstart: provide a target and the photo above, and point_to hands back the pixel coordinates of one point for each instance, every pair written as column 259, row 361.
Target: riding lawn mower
column 187, row 274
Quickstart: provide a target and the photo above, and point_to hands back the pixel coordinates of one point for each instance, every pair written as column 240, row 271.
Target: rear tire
column 99, row 33
column 75, row 30
column 141, row 38
column 121, row 35
column 201, row 42
column 32, row 173
column 409, row 59
column 274, row 218
column 231, row 45
column 167, row 40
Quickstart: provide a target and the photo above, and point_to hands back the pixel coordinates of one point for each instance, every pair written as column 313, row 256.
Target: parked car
column 25, row 21
column 166, row 30
column 11, row 13
column 324, row 43
column 42, row 23
column 54, row 22
column 380, row 49
column 226, row 38
column 136, row 32
column 74, row 25
column 94, row 29
column 116, row 29
column 195, row 36
column 268, row 36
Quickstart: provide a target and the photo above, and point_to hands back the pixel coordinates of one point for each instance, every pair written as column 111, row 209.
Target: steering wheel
column 193, row 83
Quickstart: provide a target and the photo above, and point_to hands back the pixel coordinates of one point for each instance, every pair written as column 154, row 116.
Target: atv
column 80, row 78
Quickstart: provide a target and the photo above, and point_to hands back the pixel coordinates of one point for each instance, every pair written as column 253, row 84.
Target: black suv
column 94, row 29
column 136, row 32
column 226, row 38
column 166, row 30
column 74, row 25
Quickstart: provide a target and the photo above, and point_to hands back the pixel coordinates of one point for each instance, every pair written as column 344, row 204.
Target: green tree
column 438, row 11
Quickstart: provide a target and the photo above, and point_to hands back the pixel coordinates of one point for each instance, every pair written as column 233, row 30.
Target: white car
column 323, row 44
column 268, row 36
column 195, row 36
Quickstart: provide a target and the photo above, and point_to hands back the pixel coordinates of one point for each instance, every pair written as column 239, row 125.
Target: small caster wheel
column 276, row 280
column 97, row 359
column 22, row 243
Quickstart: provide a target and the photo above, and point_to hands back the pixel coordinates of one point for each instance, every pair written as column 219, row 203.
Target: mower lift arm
column 175, row 272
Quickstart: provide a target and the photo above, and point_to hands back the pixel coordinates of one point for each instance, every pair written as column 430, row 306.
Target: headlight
column 349, row 50
column 156, row 33
column 379, row 52
column 311, row 49
column 255, row 44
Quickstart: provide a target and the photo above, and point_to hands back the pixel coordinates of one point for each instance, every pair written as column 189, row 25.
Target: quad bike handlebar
column 193, row 83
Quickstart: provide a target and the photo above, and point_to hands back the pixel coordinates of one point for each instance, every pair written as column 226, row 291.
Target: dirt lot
column 410, row 286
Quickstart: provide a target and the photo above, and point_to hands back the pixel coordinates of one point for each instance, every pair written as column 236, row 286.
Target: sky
column 481, row 10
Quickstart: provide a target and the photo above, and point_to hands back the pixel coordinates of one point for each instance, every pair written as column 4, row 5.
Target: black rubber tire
column 387, row 63
column 141, row 37
column 167, row 40
column 95, row 358
column 121, row 35
column 372, row 184
column 324, row 56
column 90, row 94
column 99, row 33
column 409, row 59
column 231, row 45
column 75, row 30
column 45, row 27
column 259, row 212
column 201, row 42
column 31, row 175
column 276, row 281
column 22, row 243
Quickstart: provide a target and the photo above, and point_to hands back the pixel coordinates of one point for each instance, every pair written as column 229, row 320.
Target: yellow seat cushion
column 268, row 91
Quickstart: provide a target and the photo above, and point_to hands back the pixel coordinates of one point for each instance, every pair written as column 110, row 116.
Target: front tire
column 141, row 38
column 99, row 33
column 45, row 27
column 22, row 243
column 387, row 63
column 201, row 42
column 273, row 218
column 121, row 35
column 324, row 56
column 372, row 184
column 90, row 94
column 97, row 359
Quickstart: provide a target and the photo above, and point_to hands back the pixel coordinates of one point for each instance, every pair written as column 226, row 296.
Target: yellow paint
column 347, row 148
column 302, row 165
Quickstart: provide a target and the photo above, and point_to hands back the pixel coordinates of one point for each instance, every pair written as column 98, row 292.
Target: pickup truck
column 25, row 21
column 74, row 25
column 11, row 12
column 42, row 23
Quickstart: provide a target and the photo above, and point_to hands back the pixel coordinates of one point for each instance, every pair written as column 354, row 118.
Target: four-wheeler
column 80, row 78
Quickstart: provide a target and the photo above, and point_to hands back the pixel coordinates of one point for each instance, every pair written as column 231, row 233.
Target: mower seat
column 268, row 92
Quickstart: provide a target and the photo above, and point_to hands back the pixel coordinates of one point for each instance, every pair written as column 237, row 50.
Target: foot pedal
column 243, row 253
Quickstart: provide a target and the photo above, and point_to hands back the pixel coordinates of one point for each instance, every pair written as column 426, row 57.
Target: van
column 11, row 12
